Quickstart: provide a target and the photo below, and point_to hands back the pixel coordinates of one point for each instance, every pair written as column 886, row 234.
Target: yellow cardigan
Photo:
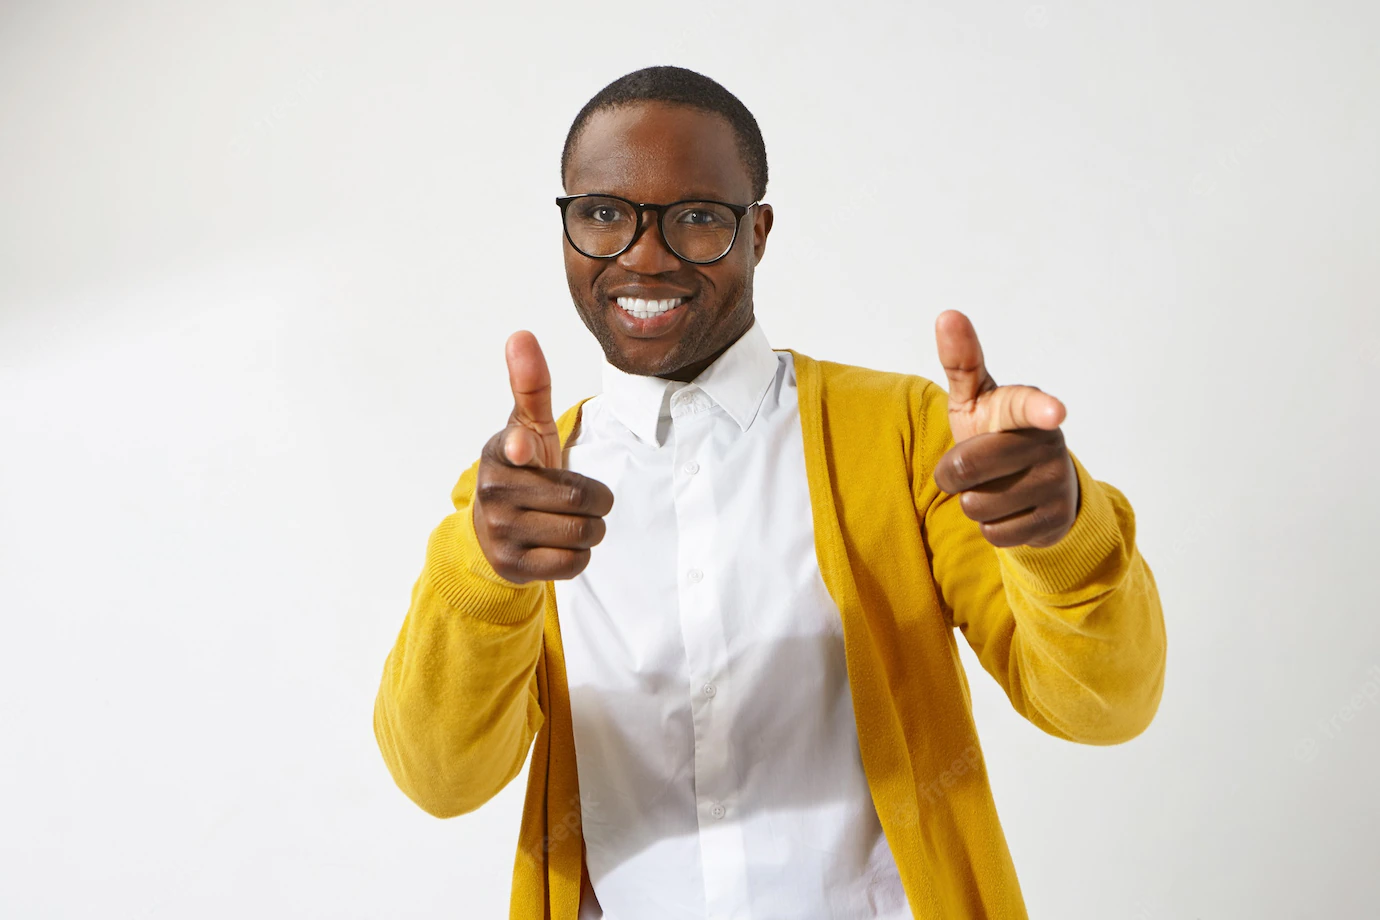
column 1074, row 633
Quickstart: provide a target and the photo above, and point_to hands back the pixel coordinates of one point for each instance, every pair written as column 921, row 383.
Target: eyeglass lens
column 698, row 231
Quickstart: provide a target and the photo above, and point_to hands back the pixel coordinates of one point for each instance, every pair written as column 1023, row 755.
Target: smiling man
column 721, row 595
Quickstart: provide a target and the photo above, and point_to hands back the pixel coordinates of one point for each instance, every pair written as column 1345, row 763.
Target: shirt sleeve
column 1073, row 632
column 458, row 704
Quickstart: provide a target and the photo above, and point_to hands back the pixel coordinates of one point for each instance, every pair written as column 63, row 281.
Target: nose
column 649, row 255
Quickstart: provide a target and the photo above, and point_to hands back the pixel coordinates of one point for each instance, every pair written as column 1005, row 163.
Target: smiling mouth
column 646, row 309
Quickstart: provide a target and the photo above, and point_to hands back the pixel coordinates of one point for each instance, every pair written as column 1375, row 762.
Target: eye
column 599, row 212
column 700, row 218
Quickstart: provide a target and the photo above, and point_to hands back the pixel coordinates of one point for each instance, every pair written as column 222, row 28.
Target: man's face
column 661, row 153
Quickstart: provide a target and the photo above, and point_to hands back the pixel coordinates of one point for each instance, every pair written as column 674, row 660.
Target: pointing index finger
column 1019, row 406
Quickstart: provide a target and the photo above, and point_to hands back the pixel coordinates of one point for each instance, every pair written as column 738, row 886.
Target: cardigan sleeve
column 458, row 704
column 1073, row 632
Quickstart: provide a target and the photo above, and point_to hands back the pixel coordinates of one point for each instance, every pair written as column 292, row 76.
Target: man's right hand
column 535, row 520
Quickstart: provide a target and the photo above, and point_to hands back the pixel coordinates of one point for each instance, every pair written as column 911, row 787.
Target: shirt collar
column 736, row 382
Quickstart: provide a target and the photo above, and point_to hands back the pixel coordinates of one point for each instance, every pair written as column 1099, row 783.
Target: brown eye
column 600, row 214
column 697, row 217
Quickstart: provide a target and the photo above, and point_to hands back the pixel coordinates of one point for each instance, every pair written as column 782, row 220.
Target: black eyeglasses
column 606, row 226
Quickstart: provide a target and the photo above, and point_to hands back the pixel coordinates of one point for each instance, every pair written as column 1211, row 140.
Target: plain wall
column 257, row 264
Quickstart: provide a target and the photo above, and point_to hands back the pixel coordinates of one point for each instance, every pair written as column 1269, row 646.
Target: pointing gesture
column 535, row 520
column 1008, row 460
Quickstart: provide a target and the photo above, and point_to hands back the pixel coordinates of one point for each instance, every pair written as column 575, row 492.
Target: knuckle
column 578, row 492
column 962, row 468
column 500, row 524
column 575, row 530
column 997, row 534
column 489, row 488
column 968, row 501
column 511, row 561
column 600, row 497
column 1050, row 474
column 527, row 563
column 574, row 563
column 576, row 495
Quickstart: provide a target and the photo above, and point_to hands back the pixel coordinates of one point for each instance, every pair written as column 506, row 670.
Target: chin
column 643, row 364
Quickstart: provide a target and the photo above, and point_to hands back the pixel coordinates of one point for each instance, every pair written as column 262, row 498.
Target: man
column 721, row 594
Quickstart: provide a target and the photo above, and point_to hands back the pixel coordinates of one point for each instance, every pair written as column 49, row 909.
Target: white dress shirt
column 715, row 741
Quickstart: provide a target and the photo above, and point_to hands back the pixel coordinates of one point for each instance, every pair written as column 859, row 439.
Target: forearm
column 1089, row 649
column 457, row 706
column 1074, row 631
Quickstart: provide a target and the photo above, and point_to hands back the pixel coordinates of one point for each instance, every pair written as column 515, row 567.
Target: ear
column 761, row 226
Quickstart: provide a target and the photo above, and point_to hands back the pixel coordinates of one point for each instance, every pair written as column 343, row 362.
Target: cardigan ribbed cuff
column 458, row 570
column 1081, row 554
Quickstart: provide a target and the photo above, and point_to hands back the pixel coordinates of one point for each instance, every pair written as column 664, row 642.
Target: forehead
column 659, row 153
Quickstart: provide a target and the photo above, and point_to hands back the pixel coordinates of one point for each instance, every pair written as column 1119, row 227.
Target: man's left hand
column 1008, row 459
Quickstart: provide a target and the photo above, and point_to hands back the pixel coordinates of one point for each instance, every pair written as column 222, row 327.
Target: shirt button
column 692, row 468
column 718, row 811
column 710, row 689
column 694, row 576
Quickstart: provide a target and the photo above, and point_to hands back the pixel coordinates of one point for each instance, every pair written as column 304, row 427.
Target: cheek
column 727, row 280
column 579, row 273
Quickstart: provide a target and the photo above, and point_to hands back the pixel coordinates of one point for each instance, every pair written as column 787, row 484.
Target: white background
column 257, row 264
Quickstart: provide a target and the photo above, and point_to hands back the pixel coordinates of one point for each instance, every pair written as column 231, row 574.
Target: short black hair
column 678, row 86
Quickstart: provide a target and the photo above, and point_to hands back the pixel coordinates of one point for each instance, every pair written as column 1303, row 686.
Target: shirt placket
column 722, row 852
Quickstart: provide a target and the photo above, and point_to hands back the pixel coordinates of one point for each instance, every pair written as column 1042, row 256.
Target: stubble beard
column 703, row 335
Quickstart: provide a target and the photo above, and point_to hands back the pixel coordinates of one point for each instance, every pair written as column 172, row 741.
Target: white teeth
column 643, row 309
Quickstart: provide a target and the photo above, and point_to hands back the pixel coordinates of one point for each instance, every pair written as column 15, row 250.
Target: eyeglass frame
column 739, row 210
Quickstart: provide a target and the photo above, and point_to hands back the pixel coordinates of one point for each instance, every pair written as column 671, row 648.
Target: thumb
column 529, row 378
column 530, row 381
column 961, row 354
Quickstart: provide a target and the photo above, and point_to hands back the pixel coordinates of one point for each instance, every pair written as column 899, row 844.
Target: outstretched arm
column 457, row 706
column 459, row 702
column 1035, row 561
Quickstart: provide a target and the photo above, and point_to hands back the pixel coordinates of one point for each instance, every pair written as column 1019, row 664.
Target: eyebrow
column 697, row 195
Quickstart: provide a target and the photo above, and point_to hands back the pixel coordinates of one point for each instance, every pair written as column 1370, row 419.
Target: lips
column 648, row 316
